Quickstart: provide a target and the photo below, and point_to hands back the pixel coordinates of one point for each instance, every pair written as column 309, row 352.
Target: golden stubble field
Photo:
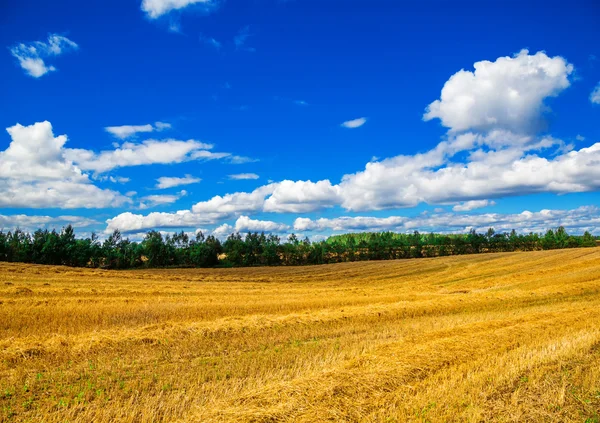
column 497, row 337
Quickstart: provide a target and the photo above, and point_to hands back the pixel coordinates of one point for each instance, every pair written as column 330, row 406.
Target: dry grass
column 499, row 337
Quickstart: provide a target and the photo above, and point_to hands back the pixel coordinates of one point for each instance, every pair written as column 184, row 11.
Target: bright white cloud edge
column 243, row 176
column 32, row 56
column 38, row 171
column 165, row 182
column 156, row 8
column 355, row 123
column 125, row 131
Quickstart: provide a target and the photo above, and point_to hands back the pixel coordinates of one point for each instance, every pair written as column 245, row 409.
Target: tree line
column 260, row 249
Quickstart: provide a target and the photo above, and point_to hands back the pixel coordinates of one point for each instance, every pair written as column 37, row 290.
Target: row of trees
column 259, row 249
column 254, row 249
column 116, row 252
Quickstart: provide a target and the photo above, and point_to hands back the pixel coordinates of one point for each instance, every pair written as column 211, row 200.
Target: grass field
column 497, row 337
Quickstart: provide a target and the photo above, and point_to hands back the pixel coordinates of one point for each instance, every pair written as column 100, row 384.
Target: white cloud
column 346, row 223
column 575, row 220
column 223, row 231
column 506, row 94
column 161, row 126
column 160, row 200
column 156, row 8
column 126, row 131
column 113, row 179
column 144, row 153
column 406, row 181
column 301, row 196
column 140, row 236
column 34, row 153
column 32, row 223
column 355, row 123
column 240, row 159
column 245, row 224
column 472, row 205
column 498, row 164
column 236, row 203
column 495, row 163
column 499, row 157
column 128, row 222
column 165, row 182
column 32, row 56
column 57, row 194
column 595, row 95
column 34, row 66
column 119, row 179
column 279, row 197
column 35, row 172
column 204, row 213
column 285, row 196
column 241, row 176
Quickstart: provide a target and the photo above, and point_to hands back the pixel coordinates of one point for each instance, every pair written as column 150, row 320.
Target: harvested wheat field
column 497, row 337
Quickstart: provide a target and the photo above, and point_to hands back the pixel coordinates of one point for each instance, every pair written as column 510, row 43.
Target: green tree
column 154, row 249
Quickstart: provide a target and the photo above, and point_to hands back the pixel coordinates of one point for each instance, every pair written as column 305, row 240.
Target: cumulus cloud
column 285, row 196
column 140, row 236
column 32, row 56
column 160, row 200
column 586, row 218
column 36, row 172
column 491, row 151
column 241, row 176
column 496, row 164
column 595, row 95
column 165, row 182
column 347, row 223
column 301, row 196
column 505, row 94
column 245, row 224
column 125, row 131
column 236, row 203
column 156, row 8
column 145, row 153
column 32, row 223
column 406, row 181
column 575, row 220
column 130, row 223
column 223, row 231
column 472, row 205
column 355, row 123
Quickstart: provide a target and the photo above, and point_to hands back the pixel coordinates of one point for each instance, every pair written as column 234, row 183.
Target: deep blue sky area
column 273, row 81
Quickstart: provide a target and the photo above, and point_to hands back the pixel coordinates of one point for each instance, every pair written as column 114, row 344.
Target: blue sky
column 338, row 115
